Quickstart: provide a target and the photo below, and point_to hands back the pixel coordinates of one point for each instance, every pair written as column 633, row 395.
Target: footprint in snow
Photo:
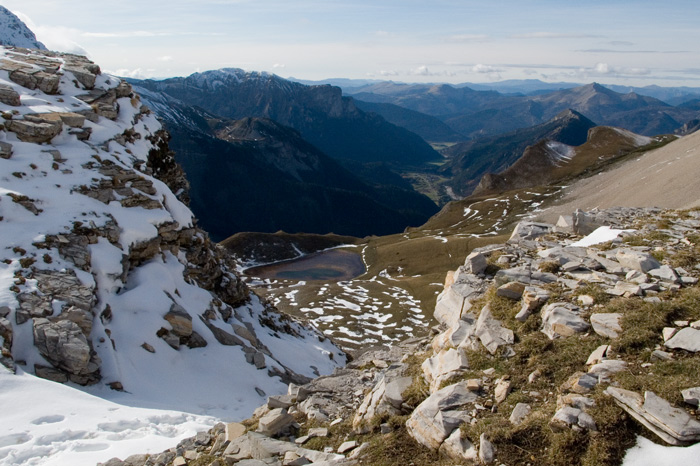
column 48, row 419
column 14, row 439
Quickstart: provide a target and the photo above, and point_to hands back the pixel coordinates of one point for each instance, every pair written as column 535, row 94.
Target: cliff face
column 105, row 276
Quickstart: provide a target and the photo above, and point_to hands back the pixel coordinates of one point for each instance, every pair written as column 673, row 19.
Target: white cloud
column 481, row 68
column 421, row 71
column 382, row 33
column 279, row 66
column 602, row 68
column 552, row 35
column 467, row 38
column 125, row 34
column 165, row 58
column 137, row 73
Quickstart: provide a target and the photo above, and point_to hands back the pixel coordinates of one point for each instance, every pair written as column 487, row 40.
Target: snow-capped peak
column 15, row 33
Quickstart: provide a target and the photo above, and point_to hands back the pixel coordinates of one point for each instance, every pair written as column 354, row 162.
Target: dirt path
column 668, row 177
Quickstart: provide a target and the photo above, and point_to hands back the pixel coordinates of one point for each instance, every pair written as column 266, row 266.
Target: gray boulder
column 475, row 263
column 687, row 339
column 562, row 320
column 63, row 344
column 491, row 333
column 637, row 260
column 438, row 416
column 607, row 325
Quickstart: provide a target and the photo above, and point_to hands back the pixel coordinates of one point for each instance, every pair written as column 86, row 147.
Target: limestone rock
column 491, row 333
column 607, row 325
column 598, row 355
column 180, row 320
column 533, row 298
column 63, row 344
column 28, row 131
column 275, row 422
column 585, row 223
column 562, row 320
column 384, row 398
column 606, row 368
column 444, row 366
column 686, row 338
column 438, row 415
column 456, row 300
column 673, row 425
column 458, row 448
column 692, row 396
column 637, row 260
column 528, row 231
column 234, row 430
column 9, row 96
column 475, row 263
column 487, row 451
column 512, row 290
column 5, row 150
column 520, row 412
column 502, row 390
column 347, row 446
column 665, row 274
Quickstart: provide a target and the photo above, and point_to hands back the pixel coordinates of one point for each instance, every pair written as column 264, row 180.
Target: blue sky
column 613, row 41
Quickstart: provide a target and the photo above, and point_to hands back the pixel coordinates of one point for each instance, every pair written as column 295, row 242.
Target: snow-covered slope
column 107, row 283
column 14, row 32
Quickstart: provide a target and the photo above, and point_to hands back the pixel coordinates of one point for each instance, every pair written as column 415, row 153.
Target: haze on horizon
column 611, row 41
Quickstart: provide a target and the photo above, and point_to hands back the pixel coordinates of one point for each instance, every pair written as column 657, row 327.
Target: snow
column 46, row 423
column 648, row 453
column 168, row 394
column 559, row 153
column 636, row 139
column 600, row 235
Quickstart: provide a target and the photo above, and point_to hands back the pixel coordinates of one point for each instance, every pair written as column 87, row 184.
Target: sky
column 609, row 41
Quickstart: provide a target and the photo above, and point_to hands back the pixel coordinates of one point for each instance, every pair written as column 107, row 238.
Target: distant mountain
column 287, row 183
column 15, row 33
column 343, row 83
column 430, row 128
column 520, row 86
column 471, row 160
column 439, row 100
column 320, row 113
column 670, row 95
column 477, row 114
column 548, row 161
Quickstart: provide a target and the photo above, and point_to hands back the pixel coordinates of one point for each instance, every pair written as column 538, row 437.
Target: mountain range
column 478, row 113
column 320, row 113
column 254, row 174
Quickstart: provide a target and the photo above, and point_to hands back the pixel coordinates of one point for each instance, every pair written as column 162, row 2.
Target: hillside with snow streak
column 108, row 286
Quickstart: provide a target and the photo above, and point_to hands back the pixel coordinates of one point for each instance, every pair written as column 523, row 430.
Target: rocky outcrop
column 105, row 260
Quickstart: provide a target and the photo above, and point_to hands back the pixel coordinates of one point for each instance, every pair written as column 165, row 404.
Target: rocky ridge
column 549, row 350
column 104, row 270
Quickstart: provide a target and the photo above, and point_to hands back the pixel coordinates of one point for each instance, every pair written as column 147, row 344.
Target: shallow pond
column 329, row 265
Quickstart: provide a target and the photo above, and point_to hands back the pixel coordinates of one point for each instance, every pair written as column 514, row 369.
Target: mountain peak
column 15, row 33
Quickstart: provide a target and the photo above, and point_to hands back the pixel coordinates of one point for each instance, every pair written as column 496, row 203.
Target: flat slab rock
column 673, row 425
column 687, row 338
